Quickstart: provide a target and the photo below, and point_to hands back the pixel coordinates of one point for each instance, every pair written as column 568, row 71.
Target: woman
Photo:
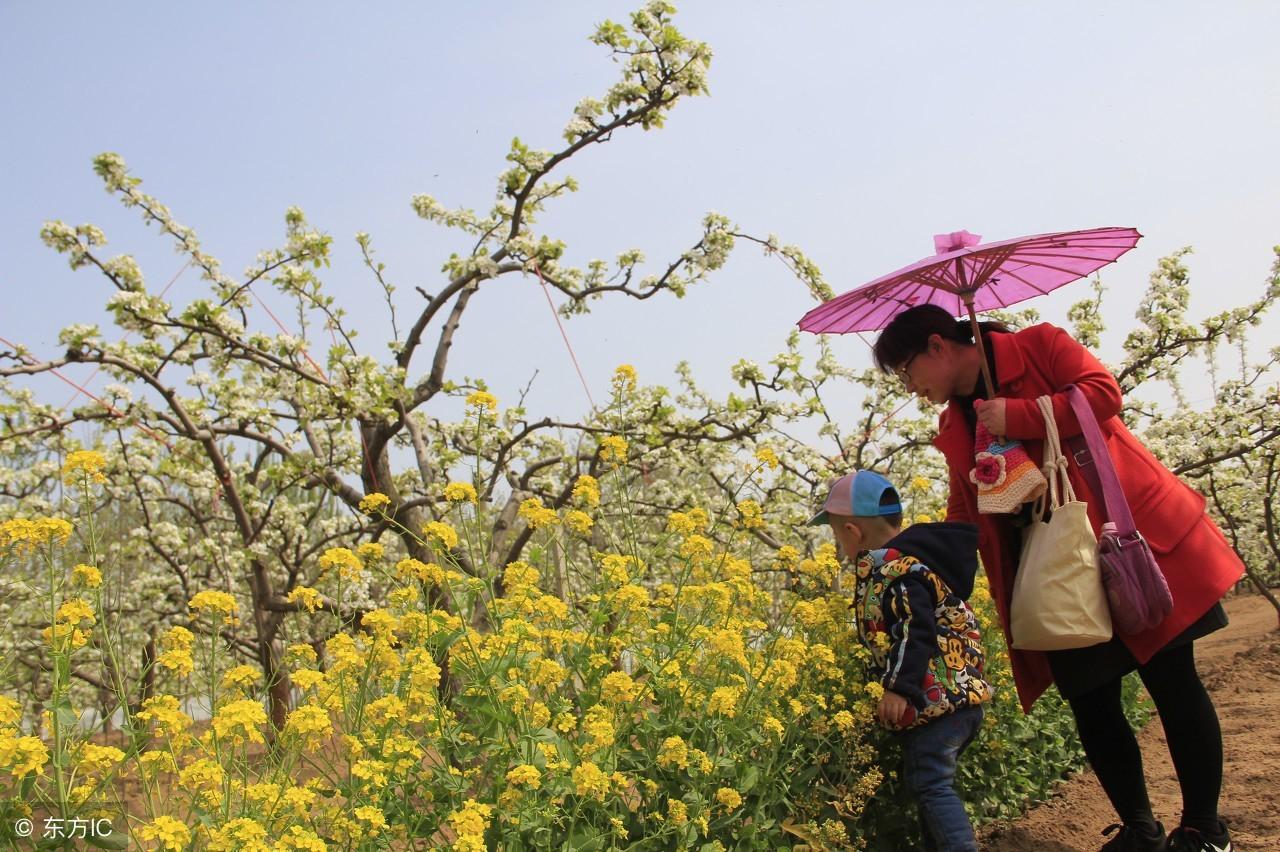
column 936, row 358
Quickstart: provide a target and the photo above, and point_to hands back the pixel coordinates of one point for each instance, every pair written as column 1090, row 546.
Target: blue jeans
column 929, row 754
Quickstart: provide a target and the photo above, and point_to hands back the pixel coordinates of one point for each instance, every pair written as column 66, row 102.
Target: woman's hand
column 891, row 708
column 991, row 414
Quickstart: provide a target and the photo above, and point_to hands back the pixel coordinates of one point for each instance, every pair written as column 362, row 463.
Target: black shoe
column 1184, row 839
column 1132, row 839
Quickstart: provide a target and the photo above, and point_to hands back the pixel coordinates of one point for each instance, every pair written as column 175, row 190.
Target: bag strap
column 1054, row 466
column 1115, row 507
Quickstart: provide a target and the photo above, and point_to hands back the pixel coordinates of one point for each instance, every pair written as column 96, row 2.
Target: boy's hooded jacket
column 911, row 612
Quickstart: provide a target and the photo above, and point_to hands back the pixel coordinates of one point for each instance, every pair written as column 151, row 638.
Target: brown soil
column 1241, row 667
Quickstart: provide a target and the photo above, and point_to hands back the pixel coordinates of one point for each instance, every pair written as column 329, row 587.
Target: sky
column 853, row 130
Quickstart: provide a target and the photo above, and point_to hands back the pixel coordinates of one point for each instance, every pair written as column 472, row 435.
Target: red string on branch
column 547, row 291
column 111, row 409
column 98, row 369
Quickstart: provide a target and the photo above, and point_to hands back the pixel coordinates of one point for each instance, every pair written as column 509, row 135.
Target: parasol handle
column 967, row 297
column 982, row 353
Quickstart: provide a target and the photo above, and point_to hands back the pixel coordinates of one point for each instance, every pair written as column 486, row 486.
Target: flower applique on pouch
column 1004, row 473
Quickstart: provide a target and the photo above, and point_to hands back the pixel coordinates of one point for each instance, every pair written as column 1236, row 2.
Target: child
column 910, row 610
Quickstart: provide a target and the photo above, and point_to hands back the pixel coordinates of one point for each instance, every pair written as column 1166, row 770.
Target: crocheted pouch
column 1004, row 473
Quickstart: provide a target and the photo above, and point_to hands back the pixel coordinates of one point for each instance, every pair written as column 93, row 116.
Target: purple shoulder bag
column 1136, row 589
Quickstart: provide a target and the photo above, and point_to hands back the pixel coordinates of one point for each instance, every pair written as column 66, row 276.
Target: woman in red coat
column 936, row 358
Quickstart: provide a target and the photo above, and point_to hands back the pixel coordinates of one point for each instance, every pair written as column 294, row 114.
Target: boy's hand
column 991, row 414
column 891, row 708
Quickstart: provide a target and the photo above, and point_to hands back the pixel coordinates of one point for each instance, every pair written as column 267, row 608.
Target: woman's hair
column 909, row 332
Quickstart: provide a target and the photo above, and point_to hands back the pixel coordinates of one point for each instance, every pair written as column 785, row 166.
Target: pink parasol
column 964, row 277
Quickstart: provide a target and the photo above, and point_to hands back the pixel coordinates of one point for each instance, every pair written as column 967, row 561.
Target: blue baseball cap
column 857, row 495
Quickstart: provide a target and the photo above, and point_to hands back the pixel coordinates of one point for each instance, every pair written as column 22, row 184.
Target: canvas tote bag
column 1058, row 598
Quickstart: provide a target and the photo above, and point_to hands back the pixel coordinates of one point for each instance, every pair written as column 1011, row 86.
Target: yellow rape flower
column 214, row 602
column 306, row 679
column 171, row 834
column 372, row 771
column 239, row 835
column 380, row 623
column 598, row 726
column 10, row 712
column 375, row 502
column 673, row 753
column 74, row 611
column 629, row 598
column 301, row 652
column 536, row 515
column 163, row 712
column 697, row 548
column 240, row 677
column 724, row 700
column 309, row 723
column 624, row 378
column 613, row 448
column 84, row 463
column 752, row 515
column 240, row 720
column 460, row 492
column 684, row 523
column 472, row 818
column 525, row 775
column 348, row 564
column 24, row 535
column 23, row 755
column 423, row 571
column 372, row 817
column 178, row 638
column 618, row 688
column 586, row 491
column 441, row 533
column 786, row 558
column 614, row 567
column 87, row 576
column 177, row 660
column 302, row 840
column 578, row 521
column 766, row 456
column 589, row 780
column 481, row 400
column 205, row 777
column 307, row 596
column 729, row 797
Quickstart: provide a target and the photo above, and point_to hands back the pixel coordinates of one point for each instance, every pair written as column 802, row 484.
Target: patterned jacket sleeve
column 908, row 613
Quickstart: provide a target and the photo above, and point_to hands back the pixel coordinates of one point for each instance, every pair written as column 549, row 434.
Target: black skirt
column 1079, row 671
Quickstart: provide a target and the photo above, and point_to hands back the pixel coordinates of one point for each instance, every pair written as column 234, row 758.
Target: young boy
column 910, row 610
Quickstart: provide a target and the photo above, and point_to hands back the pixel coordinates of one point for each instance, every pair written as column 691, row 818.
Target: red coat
column 1198, row 563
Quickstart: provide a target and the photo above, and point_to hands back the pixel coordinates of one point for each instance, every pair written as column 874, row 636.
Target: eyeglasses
column 901, row 370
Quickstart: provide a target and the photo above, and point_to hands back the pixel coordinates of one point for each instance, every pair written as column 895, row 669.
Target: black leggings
column 1190, row 726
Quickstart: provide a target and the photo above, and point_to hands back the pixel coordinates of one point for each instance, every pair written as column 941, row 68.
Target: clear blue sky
column 853, row 130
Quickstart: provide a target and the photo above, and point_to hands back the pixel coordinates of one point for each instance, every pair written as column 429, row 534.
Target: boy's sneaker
column 1134, row 839
column 1184, row 839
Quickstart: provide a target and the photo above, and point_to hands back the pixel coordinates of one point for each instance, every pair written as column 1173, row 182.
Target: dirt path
column 1241, row 666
